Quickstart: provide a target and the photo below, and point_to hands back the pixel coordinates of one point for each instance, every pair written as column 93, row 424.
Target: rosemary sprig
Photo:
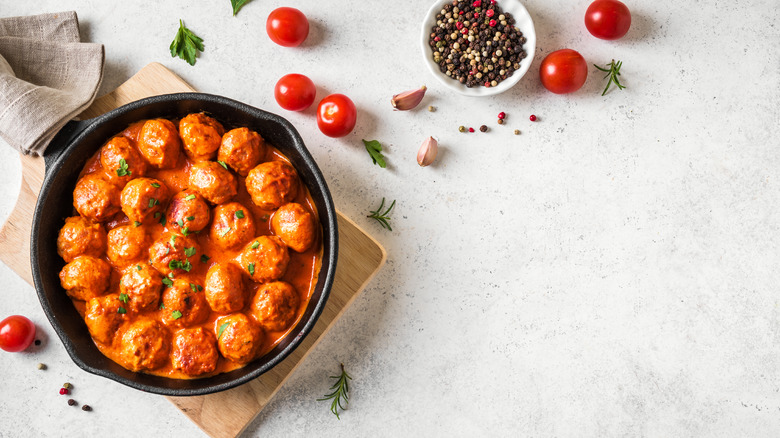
column 340, row 390
column 612, row 73
column 382, row 218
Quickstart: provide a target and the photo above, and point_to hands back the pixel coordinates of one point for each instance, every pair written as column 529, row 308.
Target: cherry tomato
column 287, row 27
column 16, row 333
column 563, row 71
column 607, row 19
column 295, row 92
column 336, row 115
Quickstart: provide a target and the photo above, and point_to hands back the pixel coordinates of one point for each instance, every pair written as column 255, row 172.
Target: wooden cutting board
column 225, row 414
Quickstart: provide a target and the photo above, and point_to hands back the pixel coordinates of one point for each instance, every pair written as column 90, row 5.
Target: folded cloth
column 47, row 77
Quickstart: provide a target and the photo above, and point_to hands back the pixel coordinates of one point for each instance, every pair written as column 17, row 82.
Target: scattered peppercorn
column 517, row 132
column 532, row 118
column 41, row 366
column 483, row 128
column 502, row 115
column 86, row 408
column 500, row 121
column 431, row 108
column 37, row 342
column 471, row 129
column 476, row 44
column 64, row 391
column 67, row 385
column 462, row 128
column 71, row 402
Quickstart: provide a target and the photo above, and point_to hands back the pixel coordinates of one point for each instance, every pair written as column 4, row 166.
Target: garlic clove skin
column 427, row 153
column 408, row 99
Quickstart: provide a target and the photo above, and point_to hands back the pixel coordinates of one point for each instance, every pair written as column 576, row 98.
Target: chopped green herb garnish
column 176, row 314
column 152, row 202
column 255, row 244
column 185, row 231
column 167, row 281
column 157, row 214
column 240, row 214
column 222, row 328
column 189, row 197
column 189, row 252
column 124, row 298
column 186, row 44
column 194, row 287
column 174, row 264
column 204, row 258
column 181, row 223
column 190, row 218
column 136, row 223
column 173, row 240
column 156, row 185
column 251, row 269
column 162, row 306
column 265, row 218
column 187, row 266
column 223, row 164
column 225, row 232
column 121, row 310
column 123, row 168
column 163, row 221
column 138, row 267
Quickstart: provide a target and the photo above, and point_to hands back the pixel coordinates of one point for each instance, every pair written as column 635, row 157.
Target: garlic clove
column 427, row 153
column 408, row 99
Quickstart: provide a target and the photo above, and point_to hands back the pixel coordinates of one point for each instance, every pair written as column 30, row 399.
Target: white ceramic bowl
column 523, row 22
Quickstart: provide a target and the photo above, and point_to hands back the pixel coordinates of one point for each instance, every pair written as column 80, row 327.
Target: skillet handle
column 62, row 140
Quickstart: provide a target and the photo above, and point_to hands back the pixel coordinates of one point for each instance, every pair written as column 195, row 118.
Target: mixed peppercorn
column 475, row 43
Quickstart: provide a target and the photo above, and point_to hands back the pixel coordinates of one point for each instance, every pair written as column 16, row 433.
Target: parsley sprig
column 382, row 217
column 339, row 392
column 613, row 71
column 374, row 149
column 186, row 44
column 124, row 169
column 237, row 5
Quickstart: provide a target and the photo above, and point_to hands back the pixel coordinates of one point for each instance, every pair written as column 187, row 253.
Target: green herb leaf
column 340, row 391
column 194, row 287
column 138, row 267
column 265, row 218
column 190, row 218
column 173, row 240
column 121, row 310
column 180, row 222
column 222, row 328
column 157, row 214
column 124, row 298
column 167, row 281
column 189, row 197
column 163, row 220
column 185, row 231
column 136, row 223
column 187, row 266
column 204, row 258
column 152, row 202
column 174, row 264
column 380, row 217
column 255, row 244
column 240, row 214
column 613, row 71
column 156, row 185
column 176, row 314
column 251, row 269
column 186, row 44
column 189, row 252
column 237, row 5
column 375, row 151
column 162, row 306
column 225, row 232
column 223, row 164
column 123, row 168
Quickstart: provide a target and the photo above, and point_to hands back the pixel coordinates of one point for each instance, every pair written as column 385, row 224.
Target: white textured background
column 613, row 271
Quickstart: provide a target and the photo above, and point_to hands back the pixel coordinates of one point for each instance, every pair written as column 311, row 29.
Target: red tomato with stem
column 608, row 19
column 287, row 27
column 563, row 71
column 336, row 115
column 295, row 92
column 16, row 333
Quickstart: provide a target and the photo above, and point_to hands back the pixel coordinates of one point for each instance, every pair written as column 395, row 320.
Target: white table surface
column 612, row 271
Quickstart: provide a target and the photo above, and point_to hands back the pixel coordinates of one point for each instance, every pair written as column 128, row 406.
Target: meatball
column 142, row 285
column 201, row 136
column 143, row 197
column 173, row 252
column 121, row 160
column 194, row 351
column 96, row 198
column 242, row 150
column 233, row 225
column 275, row 306
column 103, row 317
column 144, row 345
column 126, row 244
column 225, row 288
column 213, row 182
column 85, row 277
column 159, row 143
column 241, row 338
column 185, row 304
column 295, row 226
column 188, row 211
column 264, row 259
column 80, row 236
column 272, row 184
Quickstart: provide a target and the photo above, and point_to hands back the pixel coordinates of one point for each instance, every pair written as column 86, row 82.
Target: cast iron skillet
column 67, row 155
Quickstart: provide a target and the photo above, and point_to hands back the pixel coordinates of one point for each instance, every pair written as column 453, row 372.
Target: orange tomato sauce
column 302, row 270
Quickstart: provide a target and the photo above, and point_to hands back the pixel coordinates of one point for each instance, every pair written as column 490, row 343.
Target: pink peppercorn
column 471, row 129
column 63, row 391
column 489, row 12
column 459, row 25
column 492, row 23
column 502, row 115
column 532, row 118
column 477, row 3
column 476, row 15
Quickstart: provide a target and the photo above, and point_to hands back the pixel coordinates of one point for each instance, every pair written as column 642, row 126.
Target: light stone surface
column 612, row 271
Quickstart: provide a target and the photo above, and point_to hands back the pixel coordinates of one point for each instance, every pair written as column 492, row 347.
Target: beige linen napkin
column 47, row 77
